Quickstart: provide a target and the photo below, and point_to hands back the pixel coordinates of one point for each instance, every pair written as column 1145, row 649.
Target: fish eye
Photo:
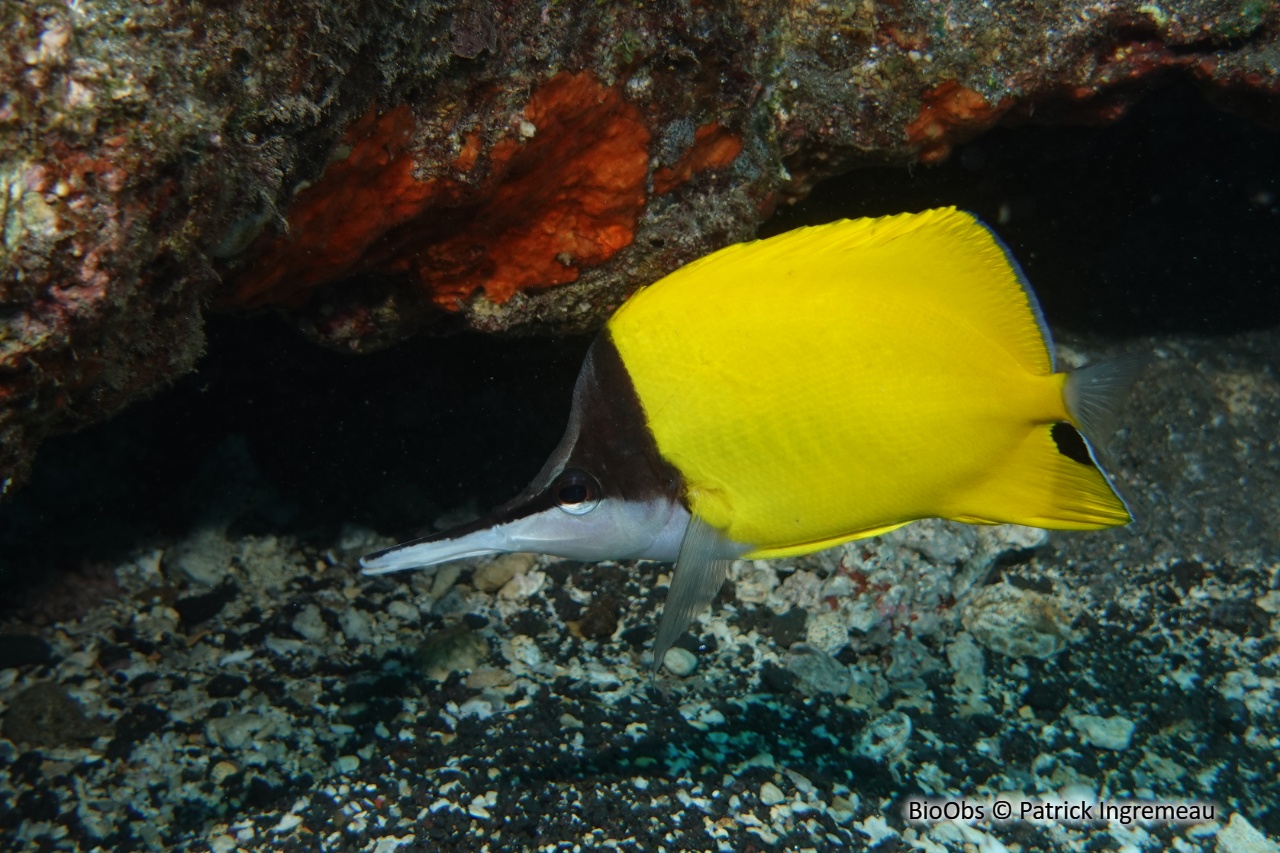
column 577, row 492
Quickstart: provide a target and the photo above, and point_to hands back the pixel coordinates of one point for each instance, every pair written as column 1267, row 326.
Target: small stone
column 843, row 809
column 309, row 624
column 355, row 624
column 1270, row 602
column 404, row 611
column 347, row 763
column 444, row 579
column 451, row 650
column 867, row 688
column 680, row 662
column 909, row 661
column 818, row 672
column 771, row 794
column 1240, row 836
column 1016, row 622
column 220, row 843
column 222, row 771
column 284, row 646
column 204, row 557
column 148, row 565
column 235, row 731
column 487, row 677
column 828, row 631
column 754, row 581
column 355, row 539
column 494, row 575
column 524, row 650
column 288, row 823
column 885, row 737
column 522, row 586
column 941, row 544
column 1104, row 732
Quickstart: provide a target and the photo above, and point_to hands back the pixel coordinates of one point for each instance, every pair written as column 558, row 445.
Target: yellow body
column 839, row 381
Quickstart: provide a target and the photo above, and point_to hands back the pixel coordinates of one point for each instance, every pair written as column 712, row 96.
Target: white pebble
column 221, row 771
column 444, row 579
column 1240, row 836
column 771, row 794
column 310, row 624
column 287, row 823
column 391, row 843
column 522, row 586
column 494, row 575
column 1104, row 732
column 827, row 631
column 525, row 650
column 680, row 662
column 355, row 625
column 404, row 611
column 222, row 843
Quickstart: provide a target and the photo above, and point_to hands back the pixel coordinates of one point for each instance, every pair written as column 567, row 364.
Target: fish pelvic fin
column 699, row 573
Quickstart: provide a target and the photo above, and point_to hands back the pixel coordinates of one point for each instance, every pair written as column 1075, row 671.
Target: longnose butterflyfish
column 786, row 395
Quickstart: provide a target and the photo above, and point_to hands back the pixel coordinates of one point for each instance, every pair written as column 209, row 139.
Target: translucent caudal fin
column 1056, row 477
column 1095, row 395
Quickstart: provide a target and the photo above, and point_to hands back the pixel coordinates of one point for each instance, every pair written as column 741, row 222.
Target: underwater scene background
column 191, row 660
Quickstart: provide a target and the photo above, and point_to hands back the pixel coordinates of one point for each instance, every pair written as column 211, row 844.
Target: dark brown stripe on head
column 607, row 437
column 614, row 443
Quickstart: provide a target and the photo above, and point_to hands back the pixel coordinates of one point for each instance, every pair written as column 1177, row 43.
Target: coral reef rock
column 377, row 168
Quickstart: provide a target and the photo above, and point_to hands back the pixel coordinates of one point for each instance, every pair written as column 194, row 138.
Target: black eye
column 573, row 493
column 577, row 491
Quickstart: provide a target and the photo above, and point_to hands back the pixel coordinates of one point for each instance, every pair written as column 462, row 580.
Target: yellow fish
column 786, row 395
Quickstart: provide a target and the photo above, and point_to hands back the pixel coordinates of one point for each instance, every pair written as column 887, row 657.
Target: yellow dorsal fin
column 955, row 261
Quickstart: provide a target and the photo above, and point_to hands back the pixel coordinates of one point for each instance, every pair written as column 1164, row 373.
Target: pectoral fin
column 701, row 568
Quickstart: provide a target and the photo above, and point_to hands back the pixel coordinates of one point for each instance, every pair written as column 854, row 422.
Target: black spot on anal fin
column 1071, row 443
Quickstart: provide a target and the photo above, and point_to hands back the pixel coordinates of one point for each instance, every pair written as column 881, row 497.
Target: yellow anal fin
column 821, row 545
column 1051, row 480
